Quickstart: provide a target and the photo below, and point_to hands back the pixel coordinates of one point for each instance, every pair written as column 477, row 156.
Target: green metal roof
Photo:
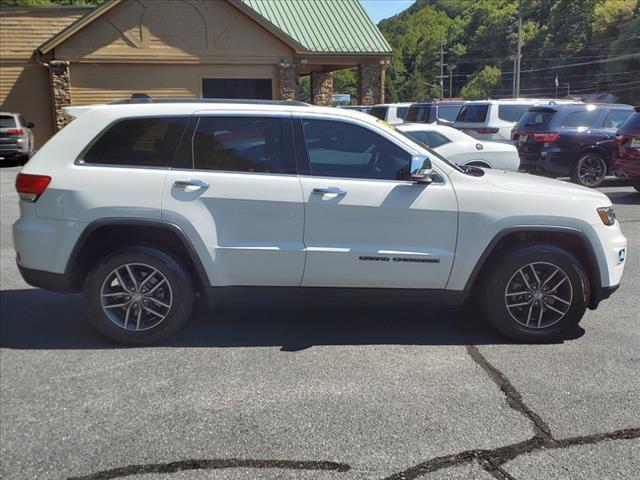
column 324, row 26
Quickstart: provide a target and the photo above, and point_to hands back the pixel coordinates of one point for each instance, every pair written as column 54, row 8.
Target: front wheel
column 589, row 170
column 535, row 293
column 138, row 295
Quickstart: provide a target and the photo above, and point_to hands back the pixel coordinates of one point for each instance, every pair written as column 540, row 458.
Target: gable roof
column 333, row 26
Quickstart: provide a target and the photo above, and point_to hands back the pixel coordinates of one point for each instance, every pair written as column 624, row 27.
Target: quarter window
column 244, row 144
column 339, row 149
column 145, row 142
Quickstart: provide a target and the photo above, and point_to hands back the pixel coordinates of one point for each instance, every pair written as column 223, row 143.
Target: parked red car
column 626, row 158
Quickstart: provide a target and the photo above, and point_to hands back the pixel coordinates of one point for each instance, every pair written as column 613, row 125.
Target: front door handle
column 329, row 191
column 190, row 185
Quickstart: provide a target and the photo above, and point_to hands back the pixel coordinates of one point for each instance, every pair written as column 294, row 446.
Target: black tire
column 180, row 289
column 505, row 269
column 589, row 170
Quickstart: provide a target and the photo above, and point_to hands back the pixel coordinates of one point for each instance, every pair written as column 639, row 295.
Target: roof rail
column 145, row 98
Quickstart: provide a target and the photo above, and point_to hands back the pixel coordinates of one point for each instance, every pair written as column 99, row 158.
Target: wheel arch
column 106, row 235
column 571, row 239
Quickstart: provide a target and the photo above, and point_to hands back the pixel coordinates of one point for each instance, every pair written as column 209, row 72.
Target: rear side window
column 430, row 139
column 536, row 119
column 582, row 118
column 144, row 142
column 449, row 113
column 379, row 112
column 402, row 112
column 7, row 121
column 632, row 125
column 416, row 114
column 615, row 118
column 339, row 149
column 473, row 113
column 244, row 144
column 511, row 113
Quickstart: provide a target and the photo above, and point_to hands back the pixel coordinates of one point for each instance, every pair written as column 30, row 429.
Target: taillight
column 619, row 139
column 30, row 187
column 546, row 137
column 15, row 131
column 486, row 130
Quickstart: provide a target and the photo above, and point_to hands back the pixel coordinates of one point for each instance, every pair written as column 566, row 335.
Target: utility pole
column 451, row 67
column 519, row 55
column 513, row 90
column 442, row 69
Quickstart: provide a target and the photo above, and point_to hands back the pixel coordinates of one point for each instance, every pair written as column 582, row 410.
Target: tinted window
column 402, row 112
column 430, row 139
column 449, row 113
column 379, row 112
column 7, row 121
column 473, row 114
column 416, row 114
column 147, row 142
column 339, row 149
column 536, row 119
column 615, row 118
column 582, row 118
column 632, row 125
column 243, row 144
column 511, row 113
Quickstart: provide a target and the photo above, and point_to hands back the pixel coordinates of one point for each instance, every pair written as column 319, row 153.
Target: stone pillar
column 60, row 91
column 321, row 88
column 288, row 79
column 371, row 78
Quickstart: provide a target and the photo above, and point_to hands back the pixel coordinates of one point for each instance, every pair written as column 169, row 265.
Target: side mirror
column 30, row 125
column 421, row 171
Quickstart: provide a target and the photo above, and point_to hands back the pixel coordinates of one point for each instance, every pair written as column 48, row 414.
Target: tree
column 481, row 84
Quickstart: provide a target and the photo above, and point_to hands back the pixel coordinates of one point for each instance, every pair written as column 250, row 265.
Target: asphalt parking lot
column 318, row 390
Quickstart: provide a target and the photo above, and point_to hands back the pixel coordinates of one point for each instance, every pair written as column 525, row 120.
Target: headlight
column 607, row 215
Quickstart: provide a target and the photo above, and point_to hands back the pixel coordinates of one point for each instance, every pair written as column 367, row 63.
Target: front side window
column 449, row 112
column 243, row 144
column 582, row 118
column 615, row 118
column 340, row 149
column 144, row 142
column 473, row 113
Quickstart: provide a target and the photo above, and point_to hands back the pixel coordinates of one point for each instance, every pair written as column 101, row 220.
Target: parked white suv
column 391, row 112
column 494, row 119
column 142, row 205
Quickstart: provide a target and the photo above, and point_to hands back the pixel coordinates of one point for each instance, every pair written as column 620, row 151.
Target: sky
column 379, row 9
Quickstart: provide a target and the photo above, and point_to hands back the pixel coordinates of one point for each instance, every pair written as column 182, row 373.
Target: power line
column 605, row 60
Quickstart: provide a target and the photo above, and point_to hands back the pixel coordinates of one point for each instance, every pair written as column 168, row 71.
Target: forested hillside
column 599, row 38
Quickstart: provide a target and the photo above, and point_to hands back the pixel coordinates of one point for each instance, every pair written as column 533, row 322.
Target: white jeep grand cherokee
column 142, row 204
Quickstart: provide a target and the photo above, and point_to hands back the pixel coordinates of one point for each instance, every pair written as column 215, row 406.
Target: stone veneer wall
column 371, row 84
column 60, row 91
column 321, row 88
column 288, row 82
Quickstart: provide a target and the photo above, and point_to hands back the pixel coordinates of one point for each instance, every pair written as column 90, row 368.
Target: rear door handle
column 329, row 191
column 190, row 185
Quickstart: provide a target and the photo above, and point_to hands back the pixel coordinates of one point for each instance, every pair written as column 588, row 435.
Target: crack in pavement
column 492, row 460
column 212, row 464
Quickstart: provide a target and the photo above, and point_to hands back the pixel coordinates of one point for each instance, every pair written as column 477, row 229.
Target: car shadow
column 37, row 319
column 624, row 198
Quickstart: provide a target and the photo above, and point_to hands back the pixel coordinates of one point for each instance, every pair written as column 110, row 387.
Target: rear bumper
column 55, row 282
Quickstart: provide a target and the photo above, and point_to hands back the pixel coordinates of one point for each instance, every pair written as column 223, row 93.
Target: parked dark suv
column 626, row 155
column 574, row 139
column 444, row 113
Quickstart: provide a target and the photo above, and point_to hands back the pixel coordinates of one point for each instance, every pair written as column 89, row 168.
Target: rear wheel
column 589, row 170
column 138, row 295
column 535, row 293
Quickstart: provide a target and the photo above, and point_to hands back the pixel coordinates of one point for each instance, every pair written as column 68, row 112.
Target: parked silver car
column 16, row 138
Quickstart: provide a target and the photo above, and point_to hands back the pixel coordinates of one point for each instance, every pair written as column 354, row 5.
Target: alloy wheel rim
column 136, row 296
column 538, row 295
column 591, row 170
